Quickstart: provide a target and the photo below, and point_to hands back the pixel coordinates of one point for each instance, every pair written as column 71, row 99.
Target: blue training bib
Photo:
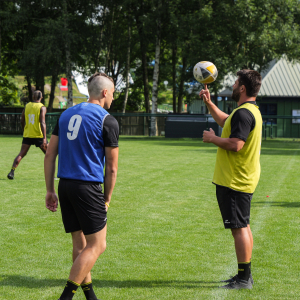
column 81, row 145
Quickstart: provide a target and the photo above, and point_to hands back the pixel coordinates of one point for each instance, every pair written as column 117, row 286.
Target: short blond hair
column 99, row 82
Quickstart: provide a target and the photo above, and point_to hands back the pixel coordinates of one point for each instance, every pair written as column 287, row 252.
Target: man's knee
column 21, row 155
column 97, row 248
column 78, row 248
column 101, row 247
column 78, row 240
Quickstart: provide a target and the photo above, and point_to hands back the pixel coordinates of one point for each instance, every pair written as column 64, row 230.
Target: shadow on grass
column 274, row 203
column 31, row 282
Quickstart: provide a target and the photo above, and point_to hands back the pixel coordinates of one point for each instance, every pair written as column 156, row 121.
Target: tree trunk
column 0, row 48
column 43, row 87
column 127, row 67
column 68, row 56
column 69, row 77
column 29, row 89
column 182, row 79
column 144, row 64
column 174, row 54
column 98, row 55
column 156, row 74
column 52, row 93
column 145, row 79
column 100, row 43
column 107, row 64
column 40, row 83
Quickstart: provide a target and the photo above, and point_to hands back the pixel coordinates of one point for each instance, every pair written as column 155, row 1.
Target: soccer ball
column 205, row 72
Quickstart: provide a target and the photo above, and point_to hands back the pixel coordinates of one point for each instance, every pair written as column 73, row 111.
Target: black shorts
column 234, row 207
column 82, row 206
column 38, row 142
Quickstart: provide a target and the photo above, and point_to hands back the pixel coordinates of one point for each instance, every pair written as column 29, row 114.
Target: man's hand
column 205, row 95
column 51, row 201
column 106, row 205
column 208, row 135
column 44, row 145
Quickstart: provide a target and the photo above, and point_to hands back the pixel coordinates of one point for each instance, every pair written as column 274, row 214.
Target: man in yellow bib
column 237, row 167
column 34, row 129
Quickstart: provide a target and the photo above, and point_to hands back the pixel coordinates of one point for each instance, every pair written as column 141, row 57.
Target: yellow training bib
column 240, row 170
column 32, row 120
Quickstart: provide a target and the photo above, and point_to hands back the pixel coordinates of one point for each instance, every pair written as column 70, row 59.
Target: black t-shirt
column 110, row 131
column 242, row 123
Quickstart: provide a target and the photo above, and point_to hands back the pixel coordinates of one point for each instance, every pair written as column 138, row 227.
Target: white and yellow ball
column 205, row 72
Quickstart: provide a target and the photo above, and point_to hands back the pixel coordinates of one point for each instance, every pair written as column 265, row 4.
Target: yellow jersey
column 32, row 120
column 240, row 171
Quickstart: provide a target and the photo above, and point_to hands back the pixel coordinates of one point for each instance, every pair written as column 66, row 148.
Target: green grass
column 165, row 235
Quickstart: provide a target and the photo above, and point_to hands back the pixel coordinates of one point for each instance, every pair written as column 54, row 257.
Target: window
column 269, row 109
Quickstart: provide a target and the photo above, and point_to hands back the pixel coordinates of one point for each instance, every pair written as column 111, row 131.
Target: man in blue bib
column 86, row 140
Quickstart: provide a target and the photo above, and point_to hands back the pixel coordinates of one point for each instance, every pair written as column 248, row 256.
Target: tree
column 156, row 69
column 127, row 63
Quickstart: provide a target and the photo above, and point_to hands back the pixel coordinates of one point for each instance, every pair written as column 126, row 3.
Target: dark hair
column 37, row 95
column 251, row 80
column 100, row 74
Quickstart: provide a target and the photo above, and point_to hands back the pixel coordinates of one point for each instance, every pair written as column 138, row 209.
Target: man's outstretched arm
column 49, row 168
column 218, row 115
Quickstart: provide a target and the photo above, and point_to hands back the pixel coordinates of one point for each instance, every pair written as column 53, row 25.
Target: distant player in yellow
column 34, row 129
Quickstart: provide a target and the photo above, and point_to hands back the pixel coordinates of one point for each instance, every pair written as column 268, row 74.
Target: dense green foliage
column 43, row 38
column 165, row 234
column 9, row 92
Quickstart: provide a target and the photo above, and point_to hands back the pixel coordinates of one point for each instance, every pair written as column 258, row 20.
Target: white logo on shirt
column 31, row 118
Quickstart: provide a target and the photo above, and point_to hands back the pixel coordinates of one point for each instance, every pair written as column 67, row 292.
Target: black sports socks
column 88, row 291
column 244, row 270
column 69, row 291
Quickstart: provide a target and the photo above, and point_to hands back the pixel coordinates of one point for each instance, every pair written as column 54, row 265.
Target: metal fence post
column 265, row 130
column 271, row 134
column 121, row 125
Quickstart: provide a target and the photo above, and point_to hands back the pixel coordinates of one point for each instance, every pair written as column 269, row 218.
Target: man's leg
column 251, row 236
column 251, row 239
column 79, row 243
column 23, row 152
column 243, row 247
column 95, row 246
column 243, row 243
column 84, row 260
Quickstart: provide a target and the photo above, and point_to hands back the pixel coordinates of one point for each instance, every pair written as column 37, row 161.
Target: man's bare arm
column 49, row 169
column 111, row 169
column 230, row 144
column 23, row 119
column 218, row 115
column 43, row 122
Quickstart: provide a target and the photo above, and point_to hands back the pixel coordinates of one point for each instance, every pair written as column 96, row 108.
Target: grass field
column 165, row 235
